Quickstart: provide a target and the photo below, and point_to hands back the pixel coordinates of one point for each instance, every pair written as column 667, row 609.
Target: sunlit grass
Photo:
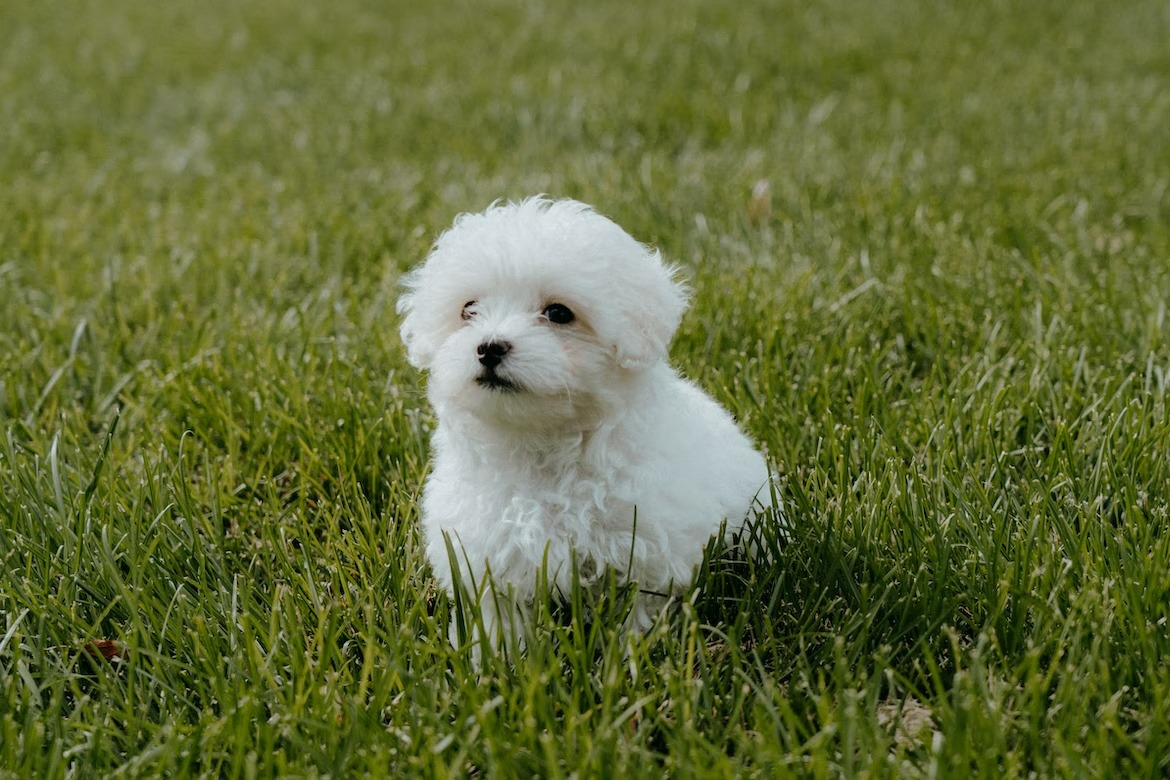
column 930, row 248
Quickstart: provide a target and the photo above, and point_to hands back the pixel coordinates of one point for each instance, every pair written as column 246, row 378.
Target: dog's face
column 530, row 313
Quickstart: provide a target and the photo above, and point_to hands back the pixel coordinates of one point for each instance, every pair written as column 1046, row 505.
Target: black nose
column 491, row 353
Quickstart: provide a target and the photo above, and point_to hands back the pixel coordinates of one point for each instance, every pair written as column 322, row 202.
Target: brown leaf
column 106, row 649
column 759, row 206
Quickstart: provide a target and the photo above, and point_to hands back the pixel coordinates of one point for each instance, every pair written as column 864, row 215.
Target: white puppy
column 562, row 430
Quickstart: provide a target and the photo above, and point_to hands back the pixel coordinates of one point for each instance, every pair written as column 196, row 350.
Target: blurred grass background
column 929, row 243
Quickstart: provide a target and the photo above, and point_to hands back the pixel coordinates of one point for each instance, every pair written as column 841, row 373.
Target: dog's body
column 562, row 431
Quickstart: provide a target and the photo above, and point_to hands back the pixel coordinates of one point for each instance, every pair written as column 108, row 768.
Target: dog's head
column 531, row 311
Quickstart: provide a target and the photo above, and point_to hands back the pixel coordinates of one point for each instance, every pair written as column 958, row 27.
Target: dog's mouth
column 493, row 381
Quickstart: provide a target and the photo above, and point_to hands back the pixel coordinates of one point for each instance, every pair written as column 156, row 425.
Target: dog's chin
column 506, row 403
column 493, row 382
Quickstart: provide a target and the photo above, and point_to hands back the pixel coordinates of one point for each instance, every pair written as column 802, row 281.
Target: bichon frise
column 562, row 431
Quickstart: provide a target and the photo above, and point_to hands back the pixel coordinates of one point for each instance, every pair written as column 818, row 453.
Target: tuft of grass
column 930, row 249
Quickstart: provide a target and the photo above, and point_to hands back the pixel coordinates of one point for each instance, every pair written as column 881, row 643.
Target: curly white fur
column 561, row 440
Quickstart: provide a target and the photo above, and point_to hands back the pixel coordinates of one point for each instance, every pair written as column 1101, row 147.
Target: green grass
column 946, row 323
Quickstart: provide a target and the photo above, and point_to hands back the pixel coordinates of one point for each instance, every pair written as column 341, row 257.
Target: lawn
column 930, row 250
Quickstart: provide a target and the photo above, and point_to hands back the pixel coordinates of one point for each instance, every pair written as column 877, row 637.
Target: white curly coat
column 583, row 430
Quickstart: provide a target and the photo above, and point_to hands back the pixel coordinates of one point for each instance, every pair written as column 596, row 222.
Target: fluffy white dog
column 562, row 430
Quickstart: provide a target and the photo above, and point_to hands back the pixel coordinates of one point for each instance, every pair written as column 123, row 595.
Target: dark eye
column 468, row 310
column 559, row 314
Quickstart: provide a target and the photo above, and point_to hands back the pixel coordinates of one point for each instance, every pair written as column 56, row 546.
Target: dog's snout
column 491, row 353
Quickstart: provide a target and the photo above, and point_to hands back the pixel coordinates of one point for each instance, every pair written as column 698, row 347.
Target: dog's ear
column 646, row 313
column 417, row 334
